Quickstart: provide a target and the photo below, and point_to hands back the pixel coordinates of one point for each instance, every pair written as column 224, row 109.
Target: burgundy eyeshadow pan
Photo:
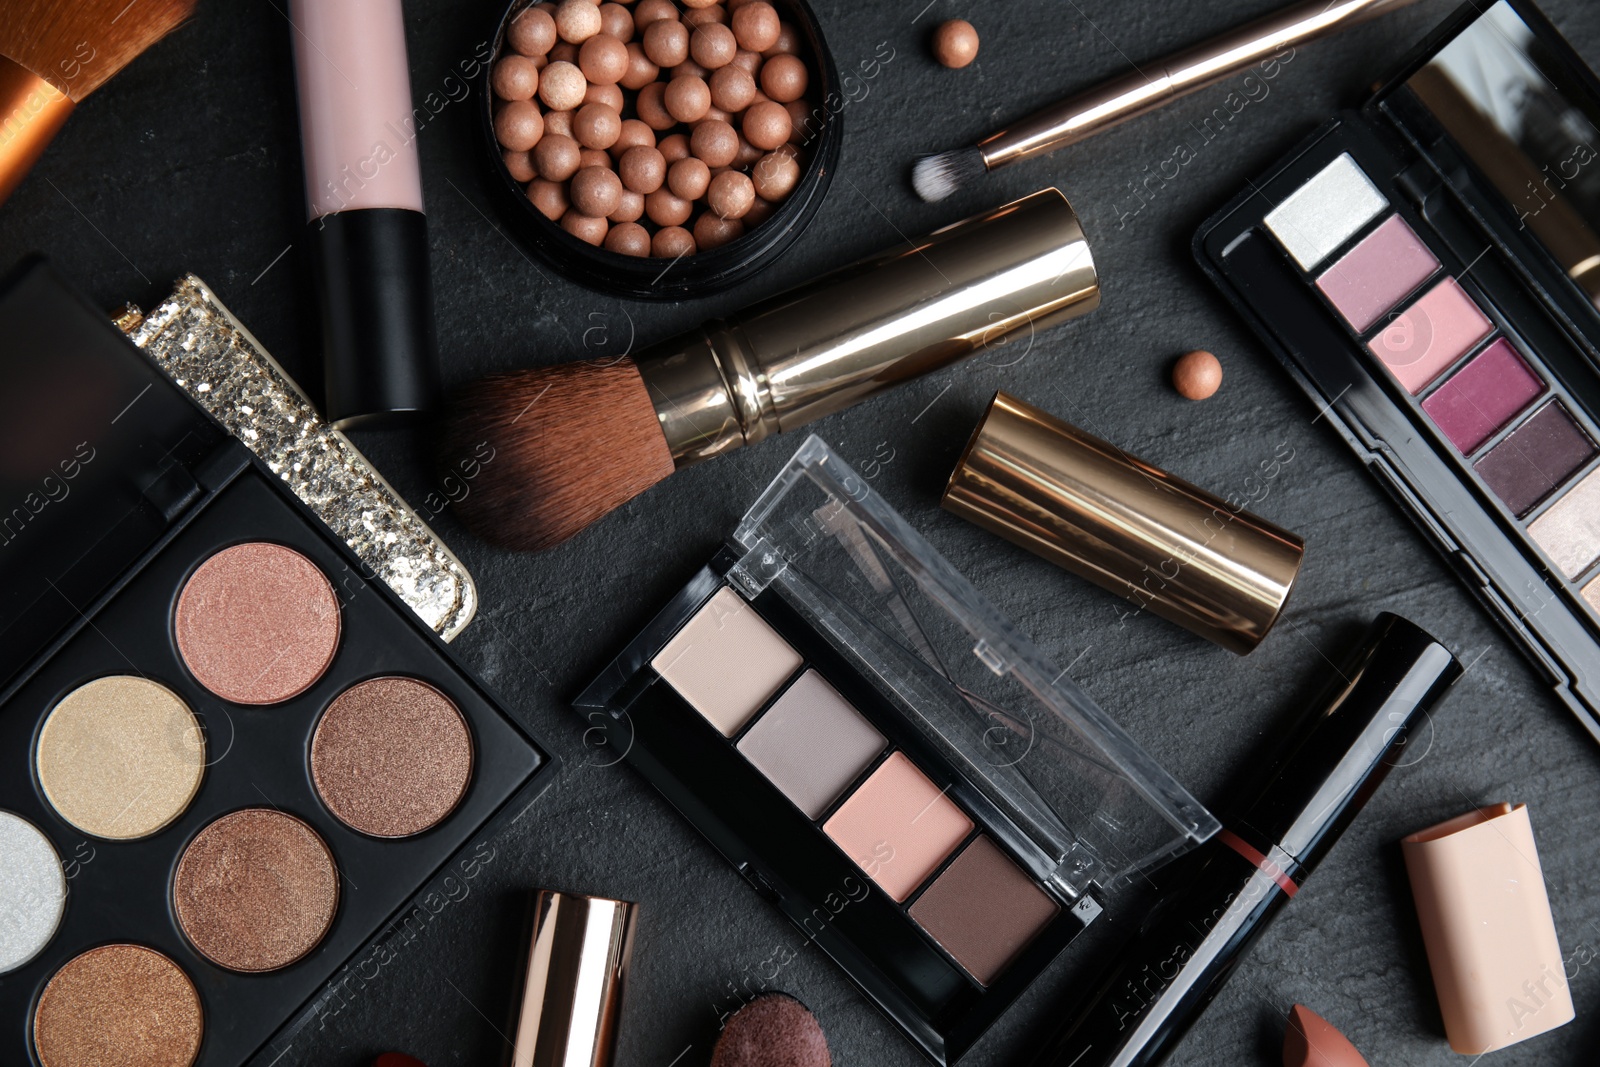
column 1483, row 396
column 1535, row 458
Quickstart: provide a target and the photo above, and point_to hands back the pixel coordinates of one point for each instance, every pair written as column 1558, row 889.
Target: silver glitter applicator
column 210, row 354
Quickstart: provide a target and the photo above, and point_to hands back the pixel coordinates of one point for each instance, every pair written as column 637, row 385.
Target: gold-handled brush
column 1145, row 88
column 555, row 448
column 53, row 53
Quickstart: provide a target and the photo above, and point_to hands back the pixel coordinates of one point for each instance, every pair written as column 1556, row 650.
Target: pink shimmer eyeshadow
column 1430, row 335
column 257, row 623
column 1377, row 274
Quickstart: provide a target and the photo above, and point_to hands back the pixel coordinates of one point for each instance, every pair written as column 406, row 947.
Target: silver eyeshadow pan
column 1325, row 212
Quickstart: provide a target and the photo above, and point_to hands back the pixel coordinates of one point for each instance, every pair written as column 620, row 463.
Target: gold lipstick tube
column 571, row 999
column 991, row 279
column 1151, row 85
column 1129, row 527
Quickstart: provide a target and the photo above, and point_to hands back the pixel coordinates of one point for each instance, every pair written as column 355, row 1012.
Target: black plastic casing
column 1197, row 934
column 787, row 857
column 1466, row 223
column 376, row 301
column 127, row 487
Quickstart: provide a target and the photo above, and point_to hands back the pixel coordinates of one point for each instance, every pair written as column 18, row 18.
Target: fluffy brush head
column 937, row 176
column 79, row 45
column 543, row 453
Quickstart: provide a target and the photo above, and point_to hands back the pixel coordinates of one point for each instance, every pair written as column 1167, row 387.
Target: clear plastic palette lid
column 1093, row 807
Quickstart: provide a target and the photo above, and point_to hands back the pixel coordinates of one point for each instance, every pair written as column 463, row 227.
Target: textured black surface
column 190, row 161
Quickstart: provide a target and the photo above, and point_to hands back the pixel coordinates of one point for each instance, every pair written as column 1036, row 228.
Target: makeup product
column 195, row 339
column 1486, row 922
column 1148, row 86
column 241, row 755
column 631, row 205
column 883, row 756
column 1312, row 1041
column 578, row 956
column 1197, row 375
column 1176, row 963
column 1130, row 528
column 367, row 234
column 580, row 439
column 773, row 1030
column 1423, row 268
column 955, row 43
column 54, row 55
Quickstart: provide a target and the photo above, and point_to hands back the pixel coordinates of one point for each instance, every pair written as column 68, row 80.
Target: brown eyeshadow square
column 984, row 910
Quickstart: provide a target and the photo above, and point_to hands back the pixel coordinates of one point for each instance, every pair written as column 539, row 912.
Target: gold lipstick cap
column 1169, row 547
column 577, row 960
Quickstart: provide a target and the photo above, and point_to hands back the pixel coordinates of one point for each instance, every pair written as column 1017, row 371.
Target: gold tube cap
column 577, row 961
column 1131, row 528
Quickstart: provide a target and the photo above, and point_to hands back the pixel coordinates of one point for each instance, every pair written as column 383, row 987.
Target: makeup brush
column 1145, row 88
column 53, row 53
column 553, row 449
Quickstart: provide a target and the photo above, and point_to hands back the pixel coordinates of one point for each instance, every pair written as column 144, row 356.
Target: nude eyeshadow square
column 727, row 662
column 812, row 744
column 984, row 910
column 898, row 827
column 1569, row 530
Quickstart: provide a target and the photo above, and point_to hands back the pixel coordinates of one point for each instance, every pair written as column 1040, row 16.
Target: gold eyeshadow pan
column 1447, row 325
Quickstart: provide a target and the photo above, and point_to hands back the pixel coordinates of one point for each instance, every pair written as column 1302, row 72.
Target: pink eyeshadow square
column 898, row 827
column 1430, row 335
column 1376, row 274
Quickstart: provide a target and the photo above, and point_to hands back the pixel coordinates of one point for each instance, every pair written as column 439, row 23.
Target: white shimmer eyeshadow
column 1325, row 212
column 33, row 891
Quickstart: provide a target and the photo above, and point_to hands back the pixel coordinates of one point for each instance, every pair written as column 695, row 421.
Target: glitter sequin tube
column 212, row 357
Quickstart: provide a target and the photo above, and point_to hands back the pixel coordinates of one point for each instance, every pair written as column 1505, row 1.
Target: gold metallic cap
column 1130, row 528
column 577, row 960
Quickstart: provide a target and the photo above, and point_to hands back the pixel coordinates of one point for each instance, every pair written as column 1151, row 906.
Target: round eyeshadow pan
column 33, row 891
column 391, row 757
column 256, row 890
column 257, row 623
column 118, row 1006
column 120, row 757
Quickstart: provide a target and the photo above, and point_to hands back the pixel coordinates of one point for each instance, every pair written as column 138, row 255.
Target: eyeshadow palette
column 238, row 756
column 882, row 755
column 1428, row 270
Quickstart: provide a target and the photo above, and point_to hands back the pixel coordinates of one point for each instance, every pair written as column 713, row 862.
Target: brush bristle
column 937, row 176
column 543, row 453
column 80, row 45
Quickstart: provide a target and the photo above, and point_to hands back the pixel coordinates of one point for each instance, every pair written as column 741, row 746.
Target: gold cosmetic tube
column 1129, row 527
column 572, row 996
column 822, row 347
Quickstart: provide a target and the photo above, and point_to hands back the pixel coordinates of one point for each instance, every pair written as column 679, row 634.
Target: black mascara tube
column 1197, row 934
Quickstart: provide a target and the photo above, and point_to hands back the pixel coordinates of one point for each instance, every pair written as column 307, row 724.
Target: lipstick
column 368, row 237
column 1196, row 934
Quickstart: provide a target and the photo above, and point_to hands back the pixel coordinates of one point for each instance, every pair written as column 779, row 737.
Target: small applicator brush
column 1147, row 87
column 53, row 53
column 555, row 448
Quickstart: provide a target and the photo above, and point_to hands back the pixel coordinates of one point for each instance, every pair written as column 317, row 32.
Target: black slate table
column 190, row 161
